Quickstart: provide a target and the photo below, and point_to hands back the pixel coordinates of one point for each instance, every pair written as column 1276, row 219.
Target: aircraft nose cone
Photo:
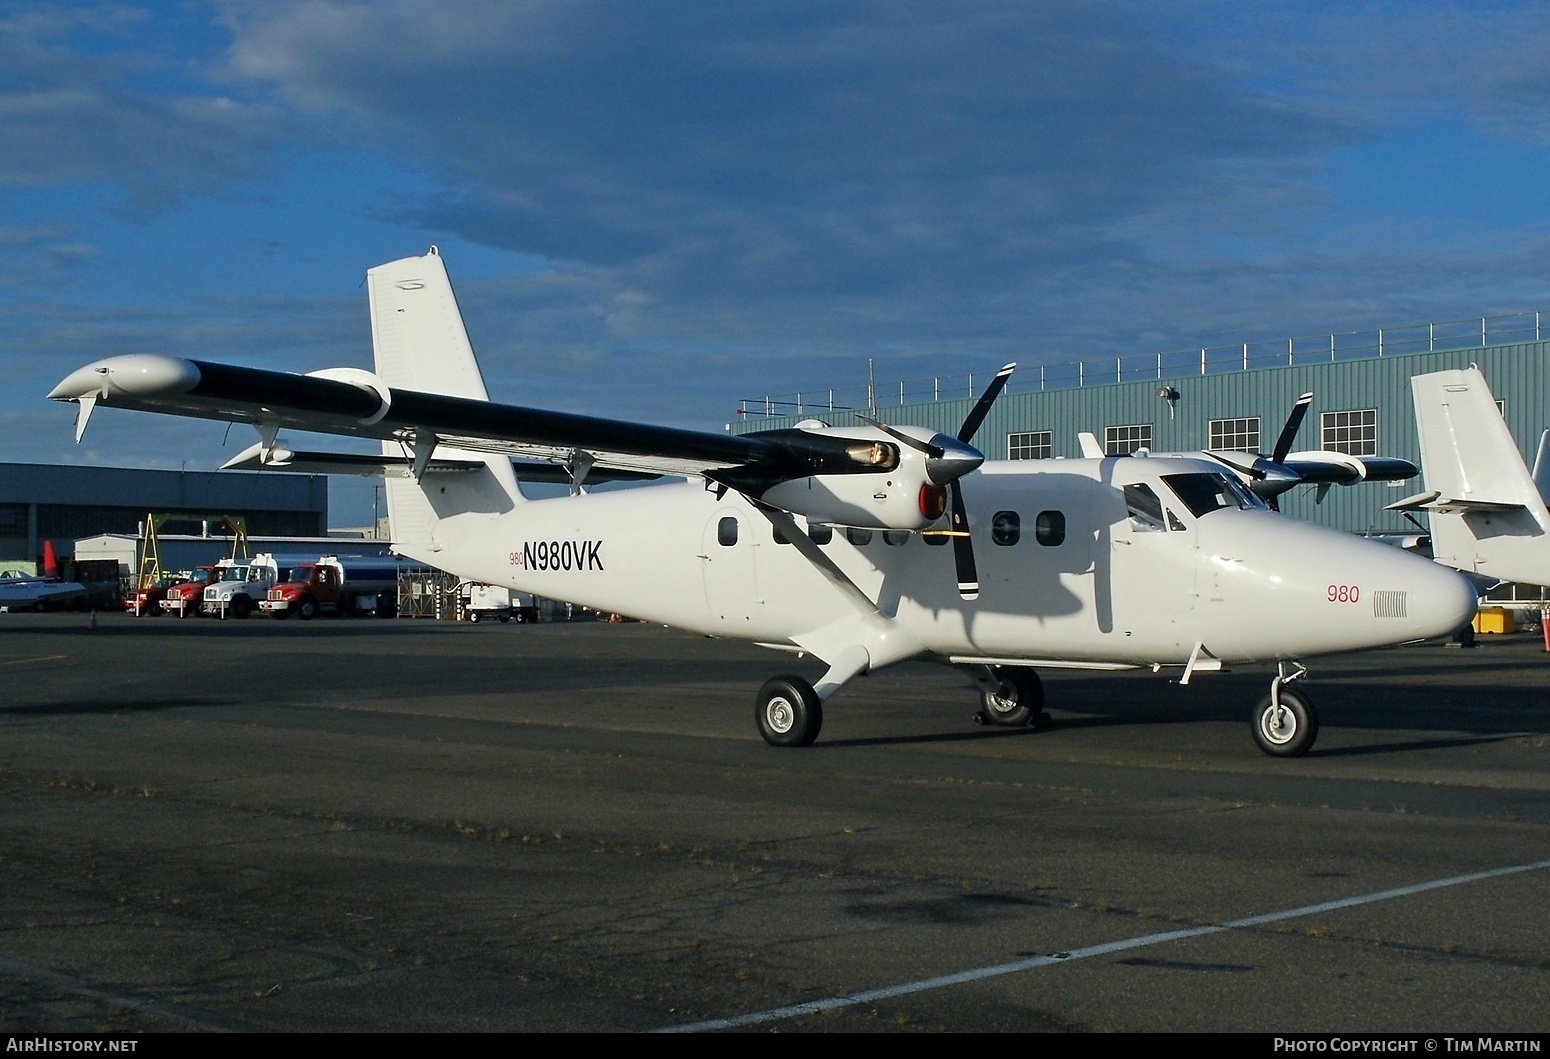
column 958, row 459
column 1444, row 601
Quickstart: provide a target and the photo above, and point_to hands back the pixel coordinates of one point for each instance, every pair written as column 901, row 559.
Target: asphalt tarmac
column 354, row 824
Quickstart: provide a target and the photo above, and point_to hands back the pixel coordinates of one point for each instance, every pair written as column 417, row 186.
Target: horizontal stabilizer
column 1435, row 501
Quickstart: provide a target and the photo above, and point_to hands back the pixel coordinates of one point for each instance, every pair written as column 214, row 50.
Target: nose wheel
column 1285, row 723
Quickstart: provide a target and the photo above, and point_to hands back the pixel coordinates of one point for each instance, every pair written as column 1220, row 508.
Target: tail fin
column 419, row 343
column 1488, row 514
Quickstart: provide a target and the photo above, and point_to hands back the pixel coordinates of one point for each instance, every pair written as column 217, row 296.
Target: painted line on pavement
column 942, row 981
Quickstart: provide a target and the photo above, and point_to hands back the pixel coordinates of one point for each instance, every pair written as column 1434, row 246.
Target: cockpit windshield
column 1209, row 491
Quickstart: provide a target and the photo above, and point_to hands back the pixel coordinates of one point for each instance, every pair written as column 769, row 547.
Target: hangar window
column 726, row 531
column 858, row 536
column 1049, row 529
column 895, row 537
column 1145, row 509
column 821, row 533
column 1121, row 441
column 1006, row 527
column 1354, row 433
column 1234, row 435
column 1033, row 445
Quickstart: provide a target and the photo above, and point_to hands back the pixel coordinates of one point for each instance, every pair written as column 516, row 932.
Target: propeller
column 1269, row 477
column 948, row 460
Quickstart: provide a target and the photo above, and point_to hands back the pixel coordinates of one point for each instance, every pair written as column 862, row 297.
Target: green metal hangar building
column 1233, row 397
column 63, row 504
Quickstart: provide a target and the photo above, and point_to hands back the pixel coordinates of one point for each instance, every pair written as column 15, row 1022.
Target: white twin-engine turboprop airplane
column 864, row 545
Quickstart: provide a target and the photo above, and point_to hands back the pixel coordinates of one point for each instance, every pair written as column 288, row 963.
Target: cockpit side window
column 1206, row 492
column 1145, row 509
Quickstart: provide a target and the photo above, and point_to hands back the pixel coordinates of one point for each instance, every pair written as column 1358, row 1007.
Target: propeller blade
column 963, row 545
column 1293, row 423
column 981, row 409
column 932, row 451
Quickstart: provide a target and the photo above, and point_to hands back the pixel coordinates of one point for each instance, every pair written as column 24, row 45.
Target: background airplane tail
column 419, row 343
column 1487, row 511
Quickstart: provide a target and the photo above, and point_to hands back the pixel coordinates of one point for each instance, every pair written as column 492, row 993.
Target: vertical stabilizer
column 419, row 343
column 1542, row 467
column 1488, row 515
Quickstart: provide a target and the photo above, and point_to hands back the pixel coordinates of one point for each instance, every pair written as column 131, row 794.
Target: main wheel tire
column 788, row 712
column 307, row 609
column 241, row 607
column 473, row 616
column 1293, row 733
column 1018, row 700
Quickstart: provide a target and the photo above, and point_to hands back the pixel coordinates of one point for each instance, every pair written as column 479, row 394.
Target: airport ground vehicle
column 337, row 584
column 482, row 602
column 242, row 586
column 184, row 597
column 145, row 601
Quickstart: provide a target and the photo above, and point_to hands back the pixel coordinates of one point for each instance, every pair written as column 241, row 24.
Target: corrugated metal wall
column 1516, row 373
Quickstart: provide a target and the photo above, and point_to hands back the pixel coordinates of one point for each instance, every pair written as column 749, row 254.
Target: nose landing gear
column 1285, row 723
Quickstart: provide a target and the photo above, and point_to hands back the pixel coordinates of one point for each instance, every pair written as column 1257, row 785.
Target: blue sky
column 650, row 209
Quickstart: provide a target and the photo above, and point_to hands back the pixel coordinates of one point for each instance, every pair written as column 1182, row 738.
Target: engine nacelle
column 895, row 500
column 900, row 494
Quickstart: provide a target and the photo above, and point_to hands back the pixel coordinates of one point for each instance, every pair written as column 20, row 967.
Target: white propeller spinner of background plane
column 1486, row 508
column 829, row 540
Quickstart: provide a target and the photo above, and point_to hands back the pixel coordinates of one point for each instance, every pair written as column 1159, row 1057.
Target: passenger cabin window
column 1206, row 492
column 780, row 538
column 822, row 533
column 1146, row 513
column 1005, row 528
column 726, row 531
column 895, row 537
column 1049, row 529
column 935, row 538
column 858, row 536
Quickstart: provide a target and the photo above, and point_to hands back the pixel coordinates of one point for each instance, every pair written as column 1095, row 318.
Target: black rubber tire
column 241, row 607
column 505, row 618
column 788, row 712
column 473, row 616
column 1019, row 702
column 1299, row 725
column 307, row 609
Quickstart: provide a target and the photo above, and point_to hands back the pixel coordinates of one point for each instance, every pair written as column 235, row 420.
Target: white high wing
column 863, row 545
column 1487, row 510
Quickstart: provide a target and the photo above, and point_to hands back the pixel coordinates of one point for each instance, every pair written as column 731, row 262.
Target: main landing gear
column 1010, row 697
column 1285, row 723
column 789, row 712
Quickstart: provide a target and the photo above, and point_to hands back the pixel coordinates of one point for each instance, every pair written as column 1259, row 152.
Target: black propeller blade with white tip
column 963, row 544
column 1293, row 424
